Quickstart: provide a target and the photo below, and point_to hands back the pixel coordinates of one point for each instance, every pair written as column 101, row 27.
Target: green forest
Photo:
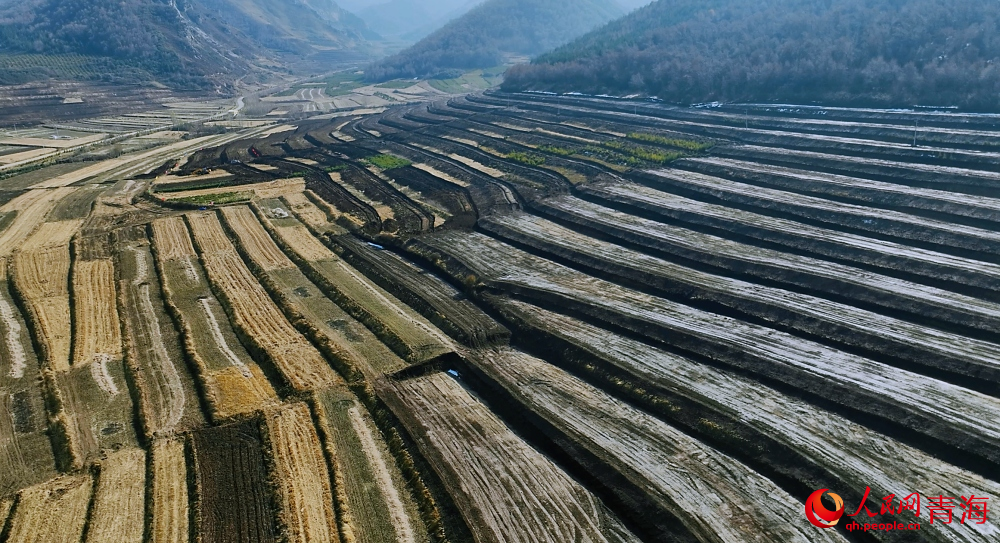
column 492, row 31
column 185, row 43
column 845, row 52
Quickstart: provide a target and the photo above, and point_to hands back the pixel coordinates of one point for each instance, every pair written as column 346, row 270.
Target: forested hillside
column 186, row 43
column 860, row 52
column 488, row 33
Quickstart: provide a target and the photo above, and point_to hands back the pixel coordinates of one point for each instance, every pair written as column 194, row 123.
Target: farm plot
column 30, row 178
column 396, row 211
column 305, row 497
column 133, row 164
column 793, row 272
column 842, row 378
column 169, row 500
column 40, row 274
column 913, row 346
column 234, row 499
column 895, row 258
column 166, row 391
column 253, row 312
column 98, row 409
column 437, row 300
column 915, row 200
column 234, row 383
column 340, row 336
column 376, row 505
column 97, row 329
column 505, row 490
column 25, row 449
column 305, row 208
column 943, row 236
column 445, row 197
column 692, row 392
column 959, row 179
column 30, row 210
column 53, row 512
column 269, row 189
column 118, row 511
column 409, row 334
column 679, row 473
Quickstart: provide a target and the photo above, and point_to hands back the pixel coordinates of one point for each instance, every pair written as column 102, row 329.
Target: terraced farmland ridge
column 507, row 318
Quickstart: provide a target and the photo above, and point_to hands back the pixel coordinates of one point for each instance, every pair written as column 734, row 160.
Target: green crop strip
column 387, row 162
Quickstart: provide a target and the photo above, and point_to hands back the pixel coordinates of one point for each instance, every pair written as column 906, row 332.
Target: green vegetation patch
column 216, row 199
column 342, row 83
column 561, row 151
column 643, row 154
column 336, row 85
column 397, row 84
column 688, row 145
column 526, row 158
column 469, row 81
column 387, row 162
column 335, row 168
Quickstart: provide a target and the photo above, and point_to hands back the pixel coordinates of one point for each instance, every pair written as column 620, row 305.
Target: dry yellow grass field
column 31, row 208
column 169, row 501
column 255, row 239
column 52, row 234
column 317, row 216
column 254, row 312
column 96, row 325
column 118, row 512
column 24, row 155
column 301, row 240
column 41, row 276
column 305, row 209
column 233, row 393
column 234, row 384
column 302, row 477
column 172, row 239
column 410, row 334
column 54, row 144
column 269, row 189
column 52, row 512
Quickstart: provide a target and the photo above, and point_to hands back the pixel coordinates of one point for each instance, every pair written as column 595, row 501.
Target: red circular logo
column 818, row 514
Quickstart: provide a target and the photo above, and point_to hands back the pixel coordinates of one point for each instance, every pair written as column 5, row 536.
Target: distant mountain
column 493, row 31
column 850, row 52
column 185, row 43
column 411, row 20
column 396, row 17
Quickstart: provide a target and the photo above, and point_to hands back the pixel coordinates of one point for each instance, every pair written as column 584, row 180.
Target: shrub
column 525, row 158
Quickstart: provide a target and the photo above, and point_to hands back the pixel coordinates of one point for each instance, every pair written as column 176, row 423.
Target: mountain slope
column 861, row 52
column 184, row 43
column 488, row 33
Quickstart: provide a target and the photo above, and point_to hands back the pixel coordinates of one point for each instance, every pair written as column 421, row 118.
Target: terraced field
column 507, row 318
